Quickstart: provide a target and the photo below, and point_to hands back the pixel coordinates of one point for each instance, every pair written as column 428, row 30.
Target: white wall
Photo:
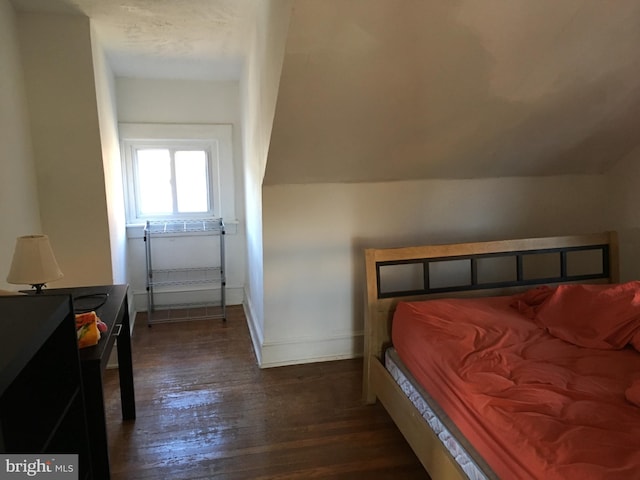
column 19, row 210
column 314, row 236
column 108, row 122
column 61, row 95
column 259, row 90
column 188, row 102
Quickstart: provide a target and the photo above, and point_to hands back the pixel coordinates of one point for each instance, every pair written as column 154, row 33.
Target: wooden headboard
column 482, row 268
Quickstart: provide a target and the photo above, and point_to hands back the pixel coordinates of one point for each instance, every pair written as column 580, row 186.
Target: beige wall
column 19, row 210
column 57, row 60
column 624, row 200
column 314, row 236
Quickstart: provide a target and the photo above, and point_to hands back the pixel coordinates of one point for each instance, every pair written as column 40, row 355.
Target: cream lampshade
column 33, row 262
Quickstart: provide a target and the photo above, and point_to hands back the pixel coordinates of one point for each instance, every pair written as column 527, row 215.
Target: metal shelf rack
column 205, row 276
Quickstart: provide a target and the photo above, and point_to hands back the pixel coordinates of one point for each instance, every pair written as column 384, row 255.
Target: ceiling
column 192, row 39
column 379, row 90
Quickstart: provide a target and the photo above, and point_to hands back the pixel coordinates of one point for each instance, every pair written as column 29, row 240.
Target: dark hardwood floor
column 206, row 411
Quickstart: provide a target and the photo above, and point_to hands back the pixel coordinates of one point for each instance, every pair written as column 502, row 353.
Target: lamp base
column 38, row 287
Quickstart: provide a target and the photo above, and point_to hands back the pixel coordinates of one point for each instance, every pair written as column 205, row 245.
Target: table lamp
column 33, row 262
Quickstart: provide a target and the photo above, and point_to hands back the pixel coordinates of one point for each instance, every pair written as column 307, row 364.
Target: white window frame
column 214, row 139
column 209, row 147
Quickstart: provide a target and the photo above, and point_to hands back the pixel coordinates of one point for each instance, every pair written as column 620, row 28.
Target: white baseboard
column 300, row 350
column 254, row 331
column 310, row 350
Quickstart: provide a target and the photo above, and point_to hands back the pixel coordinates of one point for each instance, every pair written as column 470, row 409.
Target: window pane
column 191, row 181
column 154, row 181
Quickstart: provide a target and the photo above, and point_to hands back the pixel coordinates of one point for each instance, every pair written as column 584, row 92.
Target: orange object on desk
column 87, row 329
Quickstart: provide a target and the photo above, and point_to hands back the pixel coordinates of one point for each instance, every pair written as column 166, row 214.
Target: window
column 171, row 181
column 177, row 177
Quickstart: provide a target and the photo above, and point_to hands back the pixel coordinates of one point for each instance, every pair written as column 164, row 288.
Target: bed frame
column 380, row 305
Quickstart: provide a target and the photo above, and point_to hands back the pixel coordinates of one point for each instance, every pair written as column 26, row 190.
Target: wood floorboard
column 206, row 411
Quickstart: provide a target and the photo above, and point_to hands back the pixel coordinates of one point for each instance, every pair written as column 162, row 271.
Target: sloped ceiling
column 377, row 90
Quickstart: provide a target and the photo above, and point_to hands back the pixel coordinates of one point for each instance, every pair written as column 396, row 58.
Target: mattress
column 532, row 405
column 461, row 451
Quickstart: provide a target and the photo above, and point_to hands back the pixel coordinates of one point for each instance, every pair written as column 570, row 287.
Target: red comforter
column 533, row 405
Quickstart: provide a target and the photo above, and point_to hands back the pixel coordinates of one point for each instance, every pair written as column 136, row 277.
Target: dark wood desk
column 42, row 408
column 115, row 313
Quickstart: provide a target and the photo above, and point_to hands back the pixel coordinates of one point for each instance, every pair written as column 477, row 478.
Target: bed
column 450, row 406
